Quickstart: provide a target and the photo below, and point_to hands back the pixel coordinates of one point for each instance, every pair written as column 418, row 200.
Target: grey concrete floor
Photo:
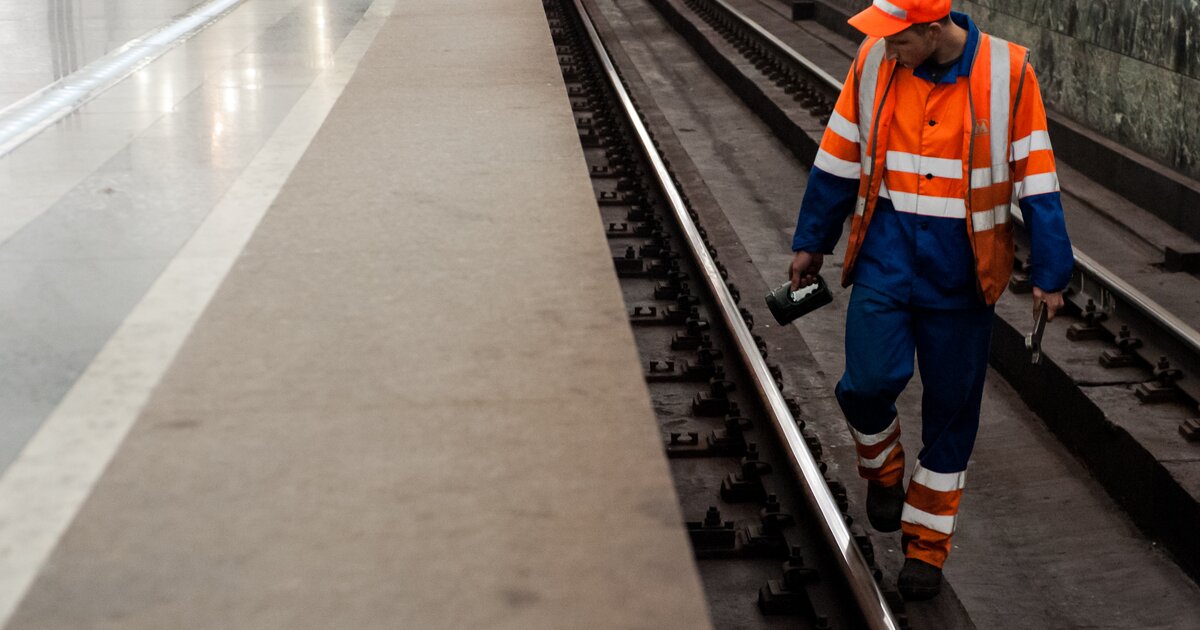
column 45, row 40
column 97, row 206
column 1021, row 558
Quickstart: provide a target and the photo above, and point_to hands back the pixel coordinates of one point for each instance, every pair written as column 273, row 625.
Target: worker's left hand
column 1054, row 301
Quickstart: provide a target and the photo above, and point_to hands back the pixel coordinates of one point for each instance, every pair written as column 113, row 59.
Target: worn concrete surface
column 1021, row 560
column 95, row 207
column 415, row 402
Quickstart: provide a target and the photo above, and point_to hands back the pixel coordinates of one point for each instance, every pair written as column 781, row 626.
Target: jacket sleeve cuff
column 1051, row 258
column 828, row 200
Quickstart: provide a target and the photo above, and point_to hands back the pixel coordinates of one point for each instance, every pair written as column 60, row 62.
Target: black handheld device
column 787, row 305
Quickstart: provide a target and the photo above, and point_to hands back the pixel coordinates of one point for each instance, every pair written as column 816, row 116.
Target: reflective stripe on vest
column 978, row 177
column 1000, row 77
column 868, row 83
column 996, row 74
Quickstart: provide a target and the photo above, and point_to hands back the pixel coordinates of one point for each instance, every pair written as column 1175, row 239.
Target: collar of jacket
column 963, row 67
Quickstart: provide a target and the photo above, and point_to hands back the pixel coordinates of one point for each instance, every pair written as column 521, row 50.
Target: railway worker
column 938, row 129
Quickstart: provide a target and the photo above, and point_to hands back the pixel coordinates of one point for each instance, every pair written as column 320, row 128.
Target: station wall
column 1128, row 69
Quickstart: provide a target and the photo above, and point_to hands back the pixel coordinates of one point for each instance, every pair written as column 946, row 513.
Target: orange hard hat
column 885, row 18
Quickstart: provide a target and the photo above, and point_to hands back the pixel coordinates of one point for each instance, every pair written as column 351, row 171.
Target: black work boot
column 919, row 580
column 884, row 504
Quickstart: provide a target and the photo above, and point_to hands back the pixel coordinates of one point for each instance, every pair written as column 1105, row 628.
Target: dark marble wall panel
column 1158, row 32
column 1097, row 22
column 1004, row 25
column 1150, row 38
column 1186, row 36
column 1146, row 109
column 1187, row 153
column 1022, row 9
column 1127, row 69
column 1060, row 16
column 1155, row 31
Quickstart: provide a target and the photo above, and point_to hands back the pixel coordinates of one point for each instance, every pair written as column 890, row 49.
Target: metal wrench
column 1033, row 341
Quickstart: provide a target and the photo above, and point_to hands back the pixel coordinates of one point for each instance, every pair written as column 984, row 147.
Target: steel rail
column 876, row 612
column 1129, row 295
column 1126, row 293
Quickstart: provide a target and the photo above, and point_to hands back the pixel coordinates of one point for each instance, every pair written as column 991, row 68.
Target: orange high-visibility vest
column 996, row 164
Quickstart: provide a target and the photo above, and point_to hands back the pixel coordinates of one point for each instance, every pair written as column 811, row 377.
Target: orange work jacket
column 1004, row 139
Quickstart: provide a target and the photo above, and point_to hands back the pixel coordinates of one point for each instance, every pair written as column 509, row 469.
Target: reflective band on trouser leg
column 930, row 514
column 880, row 455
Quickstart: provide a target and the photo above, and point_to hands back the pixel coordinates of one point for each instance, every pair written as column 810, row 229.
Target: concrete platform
column 415, row 401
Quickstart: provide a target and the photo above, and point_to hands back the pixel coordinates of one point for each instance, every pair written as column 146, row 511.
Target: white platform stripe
column 1036, row 141
column 942, row 482
column 985, row 220
column 877, row 462
column 836, row 166
column 842, row 126
column 43, row 489
column 936, row 522
column 901, row 162
column 871, row 439
column 986, row 176
column 1039, row 184
column 34, row 114
column 927, row 206
column 891, row 9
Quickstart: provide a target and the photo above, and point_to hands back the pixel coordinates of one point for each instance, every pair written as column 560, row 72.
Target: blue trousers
column 951, row 348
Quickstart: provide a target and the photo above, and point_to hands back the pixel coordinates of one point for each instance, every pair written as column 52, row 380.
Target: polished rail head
column 1187, row 336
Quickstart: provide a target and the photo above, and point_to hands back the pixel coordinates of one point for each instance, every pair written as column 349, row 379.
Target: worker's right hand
column 805, row 266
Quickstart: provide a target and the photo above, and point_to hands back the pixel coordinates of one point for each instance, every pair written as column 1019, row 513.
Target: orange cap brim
column 877, row 23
